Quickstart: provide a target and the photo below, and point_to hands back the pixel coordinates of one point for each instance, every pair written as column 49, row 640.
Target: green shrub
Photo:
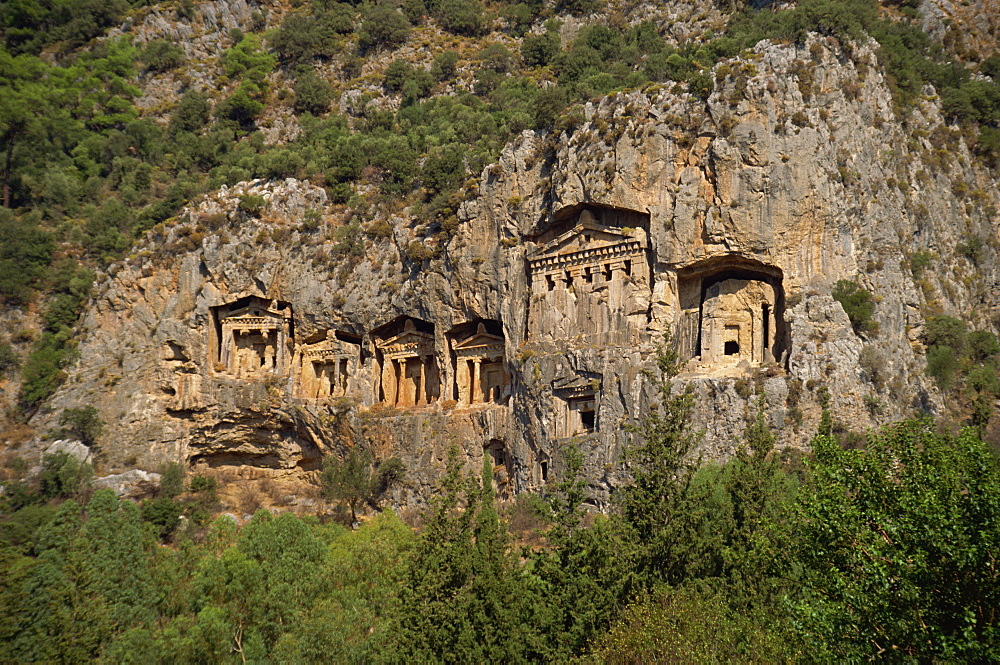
column 248, row 60
column 82, row 423
column 62, row 475
column 983, row 345
column 858, row 304
column 350, row 240
column 538, row 50
column 414, row 10
column 241, row 107
column 383, row 26
column 943, row 365
column 252, row 204
column 920, row 261
column 25, row 251
column 461, row 17
column 42, row 371
column 192, row 113
column 9, row 359
column 302, row 38
column 578, row 6
column 444, row 65
column 161, row 55
column 163, row 512
column 312, row 94
column 417, row 251
column 203, row 484
column 397, row 74
column 497, row 57
column 972, row 248
column 172, row 479
column 946, row 331
column 984, row 379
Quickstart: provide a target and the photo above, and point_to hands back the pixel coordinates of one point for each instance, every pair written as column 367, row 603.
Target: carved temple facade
column 253, row 337
column 327, row 365
column 731, row 312
column 478, row 356
column 579, row 396
column 407, row 364
column 590, row 275
column 590, row 278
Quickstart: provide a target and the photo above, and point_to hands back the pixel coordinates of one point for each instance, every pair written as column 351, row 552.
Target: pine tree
column 662, row 463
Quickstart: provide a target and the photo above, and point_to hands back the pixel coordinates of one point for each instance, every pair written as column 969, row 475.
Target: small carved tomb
column 590, row 274
column 479, row 370
column 579, row 413
column 328, row 361
column 253, row 337
column 408, row 373
column 496, row 451
column 731, row 311
column 738, row 322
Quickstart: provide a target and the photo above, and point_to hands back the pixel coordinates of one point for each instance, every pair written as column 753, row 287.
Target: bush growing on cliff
column 312, row 93
column 160, row 56
column 383, row 26
column 84, row 424
column 858, row 304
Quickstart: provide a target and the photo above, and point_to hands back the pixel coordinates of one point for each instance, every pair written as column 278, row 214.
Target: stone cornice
column 596, row 256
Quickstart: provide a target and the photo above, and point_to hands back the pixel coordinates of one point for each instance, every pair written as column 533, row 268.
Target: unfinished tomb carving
column 252, row 337
column 732, row 310
column 406, row 367
column 579, row 397
column 590, row 275
column 477, row 354
column 328, row 361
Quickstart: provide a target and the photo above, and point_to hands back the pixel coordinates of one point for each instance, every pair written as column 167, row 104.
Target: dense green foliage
column 896, row 542
column 958, row 359
column 353, row 481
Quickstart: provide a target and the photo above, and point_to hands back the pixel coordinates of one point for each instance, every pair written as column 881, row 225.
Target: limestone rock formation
column 261, row 338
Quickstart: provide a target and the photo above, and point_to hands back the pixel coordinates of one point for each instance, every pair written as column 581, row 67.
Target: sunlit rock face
column 535, row 325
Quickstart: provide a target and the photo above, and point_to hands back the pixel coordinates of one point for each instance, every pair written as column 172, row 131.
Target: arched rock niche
column 732, row 311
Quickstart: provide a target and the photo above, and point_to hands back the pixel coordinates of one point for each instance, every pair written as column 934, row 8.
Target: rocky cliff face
column 263, row 335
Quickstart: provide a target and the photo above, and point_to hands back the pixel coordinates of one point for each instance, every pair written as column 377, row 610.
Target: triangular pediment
column 251, row 312
column 479, row 340
column 576, row 384
column 408, row 337
column 254, row 307
column 583, row 236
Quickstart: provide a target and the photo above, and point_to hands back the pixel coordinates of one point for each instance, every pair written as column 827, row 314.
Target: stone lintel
column 490, row 352
column 407, row 350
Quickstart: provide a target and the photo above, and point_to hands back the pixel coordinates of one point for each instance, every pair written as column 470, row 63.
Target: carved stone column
column 420, row 394
column 476, row 388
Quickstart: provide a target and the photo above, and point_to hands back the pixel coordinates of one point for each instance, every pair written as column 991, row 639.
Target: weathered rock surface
column 129, row 485
column 579, row 251
column 75, row 449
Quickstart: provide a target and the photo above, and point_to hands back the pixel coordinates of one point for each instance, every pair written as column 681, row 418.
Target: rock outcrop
column 267, row 334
